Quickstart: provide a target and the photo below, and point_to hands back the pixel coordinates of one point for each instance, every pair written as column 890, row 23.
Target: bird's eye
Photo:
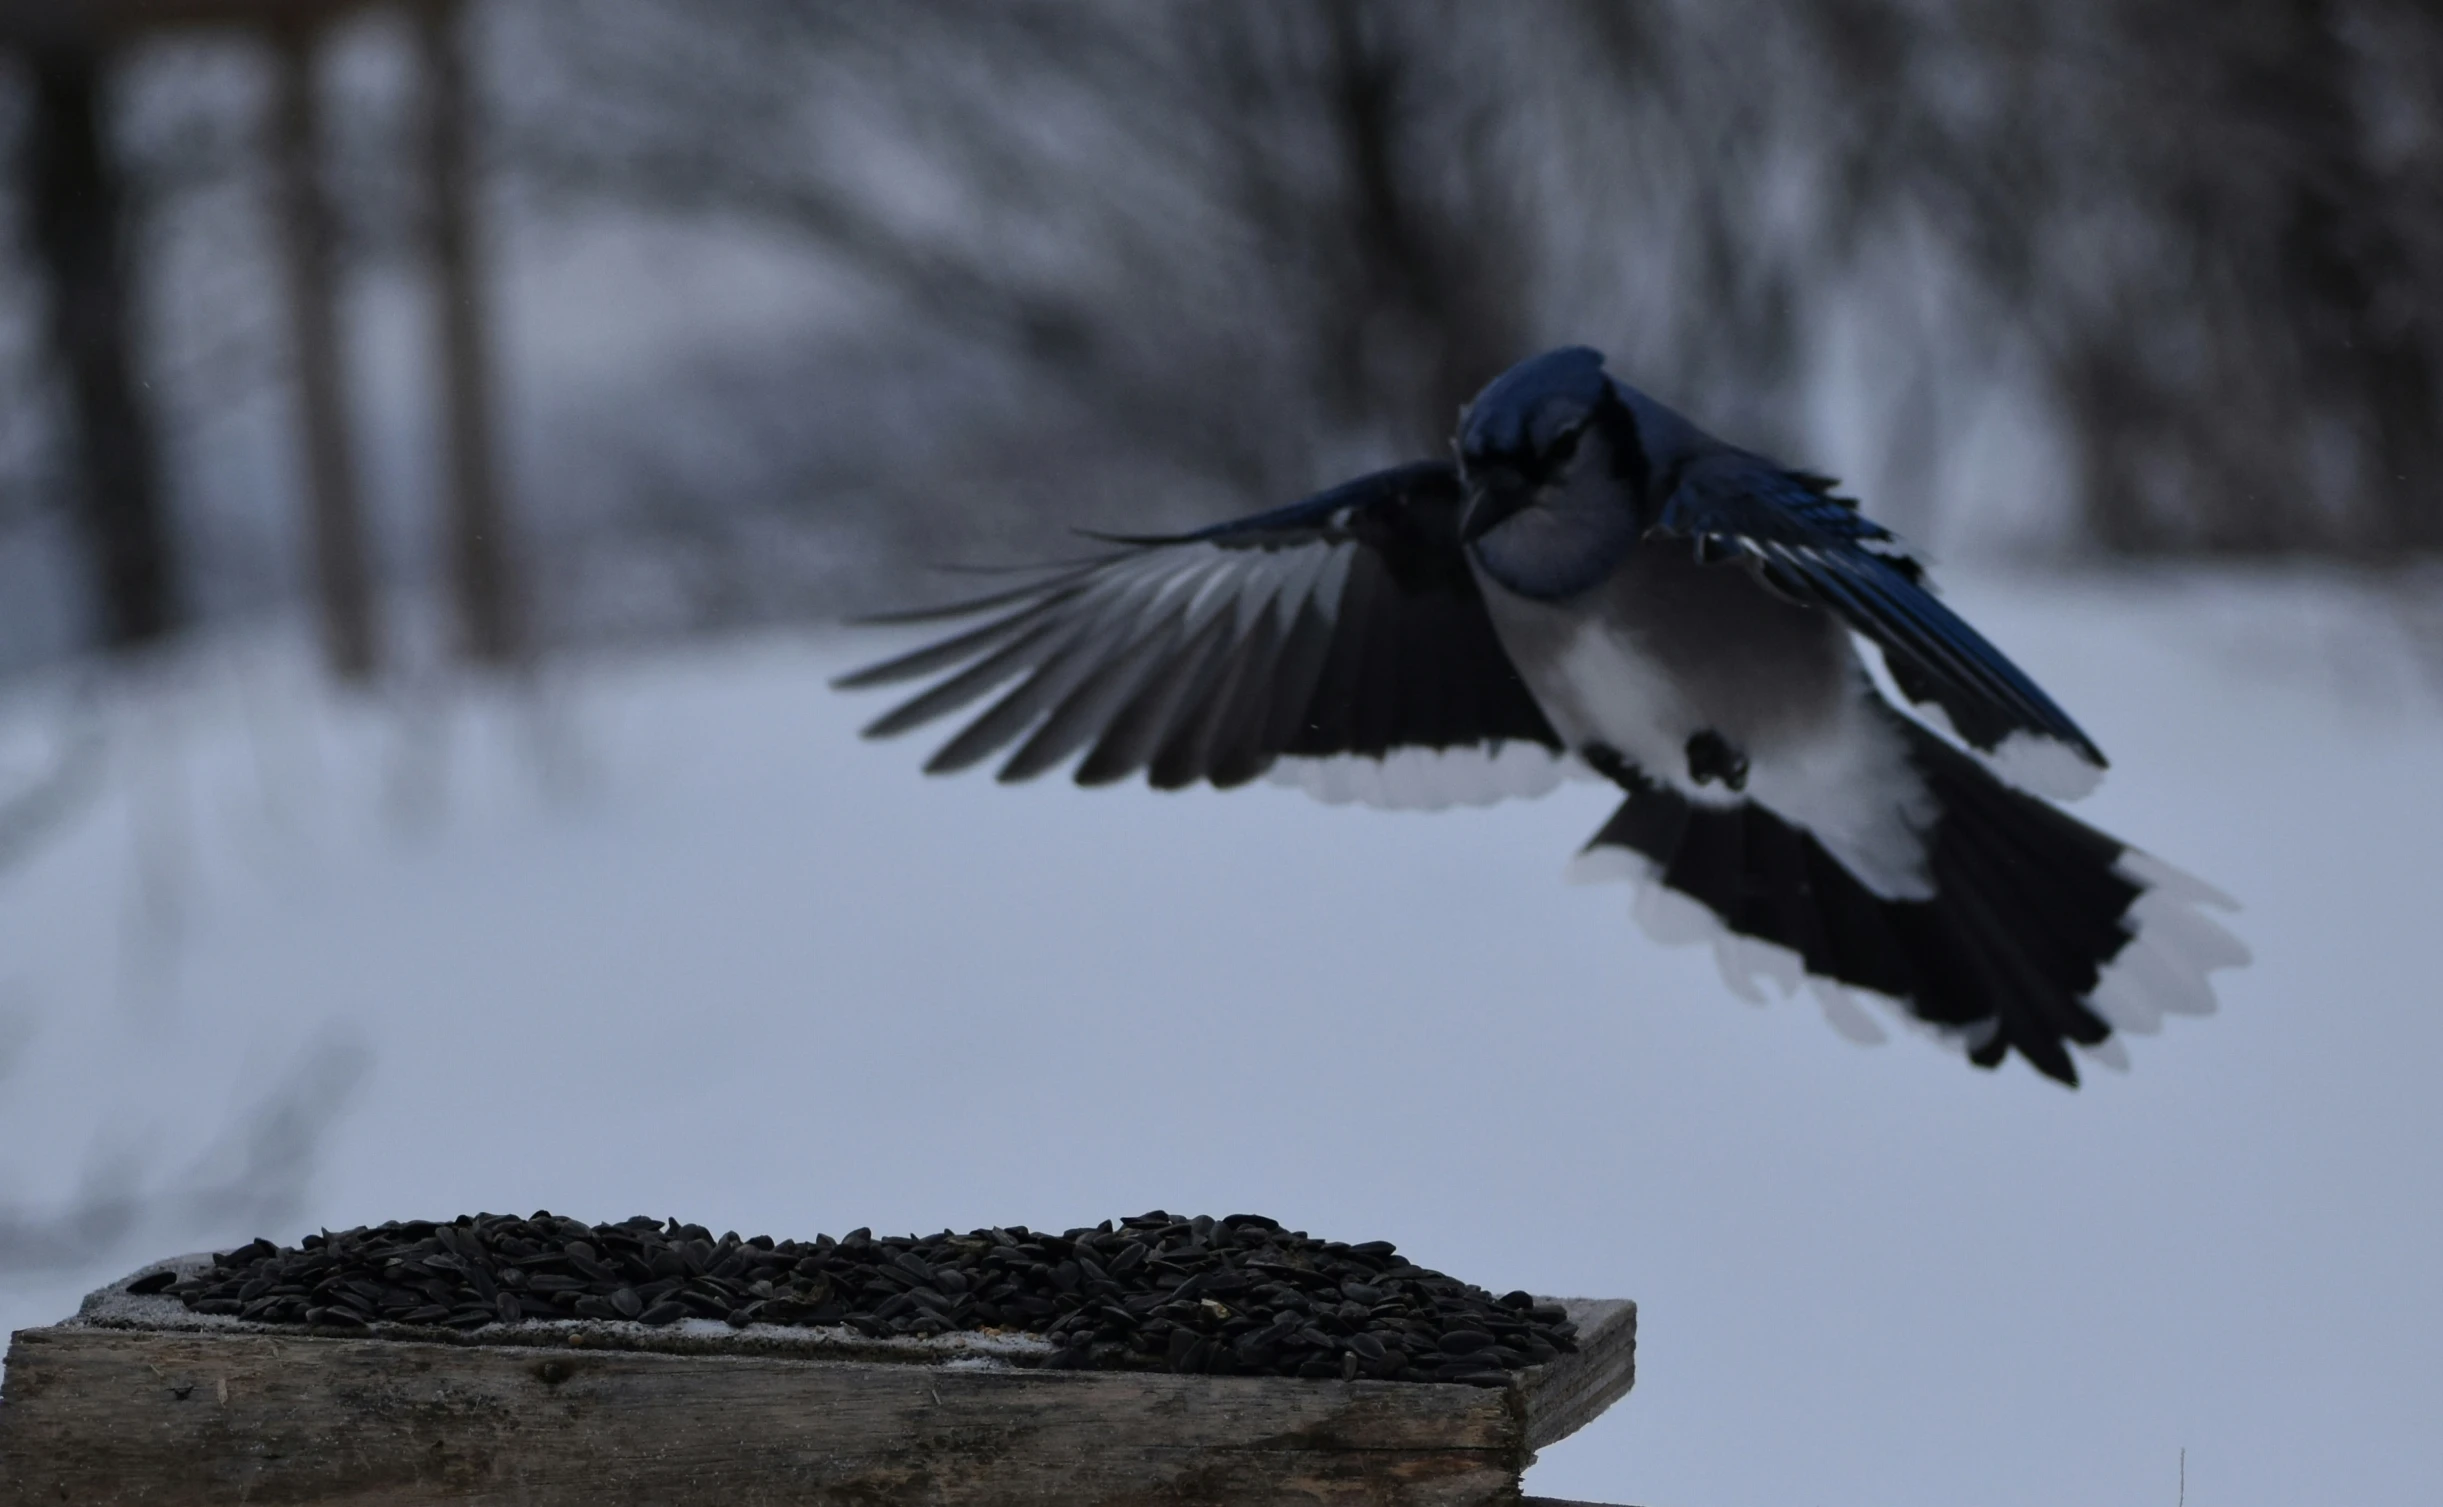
column 1561, row 446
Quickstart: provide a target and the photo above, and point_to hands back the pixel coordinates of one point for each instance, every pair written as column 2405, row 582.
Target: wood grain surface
column 96, row 1412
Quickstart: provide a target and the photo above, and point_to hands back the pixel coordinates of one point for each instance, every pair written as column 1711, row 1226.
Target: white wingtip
column 1743, row 960
column 1429, row 779
column 2042, row 766
column 2180, row 884
column 2110, row 1052
column 2162, row 969
column 2024, row 760
column 1603, row 865
column 1673, row 919
column 1845, row 1015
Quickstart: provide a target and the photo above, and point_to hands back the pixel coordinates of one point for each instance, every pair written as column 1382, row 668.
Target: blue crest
column 1527, row 410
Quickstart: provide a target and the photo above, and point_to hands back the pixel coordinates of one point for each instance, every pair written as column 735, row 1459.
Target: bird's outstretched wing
column 1814, row 547
column 1346, row 624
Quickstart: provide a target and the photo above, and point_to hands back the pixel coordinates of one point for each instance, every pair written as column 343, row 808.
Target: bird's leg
column 1711, row 757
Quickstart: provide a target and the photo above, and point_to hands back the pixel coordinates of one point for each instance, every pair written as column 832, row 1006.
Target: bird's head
column 1522, row 431
column 1539, row 452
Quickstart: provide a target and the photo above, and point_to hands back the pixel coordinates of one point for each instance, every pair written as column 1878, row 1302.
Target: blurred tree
column 1166, row 260
column 1260, row 243
column 1101, row 262
column 74, row 201
column 342, row 570
column 2221, row 225
column 484, row 581
column 77, row 203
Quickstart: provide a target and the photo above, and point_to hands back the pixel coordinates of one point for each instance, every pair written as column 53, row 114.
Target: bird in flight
column 1592, row 584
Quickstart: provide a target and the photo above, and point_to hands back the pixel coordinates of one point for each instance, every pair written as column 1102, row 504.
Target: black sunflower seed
column 1237, row 1296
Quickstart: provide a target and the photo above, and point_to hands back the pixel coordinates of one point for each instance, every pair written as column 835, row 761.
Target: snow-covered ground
column 666, row 937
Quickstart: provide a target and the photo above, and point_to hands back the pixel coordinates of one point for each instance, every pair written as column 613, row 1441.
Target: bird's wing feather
column 1345, row 624
column 1816, row 548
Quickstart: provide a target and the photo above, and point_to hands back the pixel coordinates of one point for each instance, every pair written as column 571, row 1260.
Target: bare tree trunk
column 483, row 574
column 343, row 575
column 74, row 205
column 2349, row 272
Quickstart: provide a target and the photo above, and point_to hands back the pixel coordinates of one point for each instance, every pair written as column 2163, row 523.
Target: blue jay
column 1595, row 584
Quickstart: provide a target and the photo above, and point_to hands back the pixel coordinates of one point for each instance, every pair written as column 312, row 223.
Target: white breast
column 1843, row 774
column 1599, row 687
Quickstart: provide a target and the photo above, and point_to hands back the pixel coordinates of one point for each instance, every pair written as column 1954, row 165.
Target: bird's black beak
column 1492, row 498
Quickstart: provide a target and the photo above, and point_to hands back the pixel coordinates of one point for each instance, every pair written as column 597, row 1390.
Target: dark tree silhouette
column 74, row 205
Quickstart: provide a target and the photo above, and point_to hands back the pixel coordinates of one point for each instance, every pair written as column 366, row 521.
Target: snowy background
column 2125, row 311
column 659, row 934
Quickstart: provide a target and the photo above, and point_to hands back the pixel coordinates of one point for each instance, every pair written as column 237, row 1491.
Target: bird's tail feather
column 2042, row 934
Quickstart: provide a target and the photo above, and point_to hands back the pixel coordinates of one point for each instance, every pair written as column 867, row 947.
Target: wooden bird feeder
column 138, row 1399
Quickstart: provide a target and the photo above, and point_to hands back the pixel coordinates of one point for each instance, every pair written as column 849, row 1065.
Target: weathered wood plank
column 1560, row 1397
column 138, row 1400
column 100, row 1415
column 1567, row 1395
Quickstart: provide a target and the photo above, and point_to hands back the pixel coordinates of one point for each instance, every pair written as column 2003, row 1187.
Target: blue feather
column 1810, row 544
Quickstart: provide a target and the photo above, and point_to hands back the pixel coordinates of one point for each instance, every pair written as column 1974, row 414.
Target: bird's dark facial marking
column 1520, row 435
column 1529, row 418
column 1711, row 757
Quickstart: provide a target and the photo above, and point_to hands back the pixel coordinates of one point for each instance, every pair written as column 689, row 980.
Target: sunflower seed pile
column 1231, row 1296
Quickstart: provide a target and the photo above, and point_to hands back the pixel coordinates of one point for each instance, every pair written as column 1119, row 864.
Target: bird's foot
column 1711, row 757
